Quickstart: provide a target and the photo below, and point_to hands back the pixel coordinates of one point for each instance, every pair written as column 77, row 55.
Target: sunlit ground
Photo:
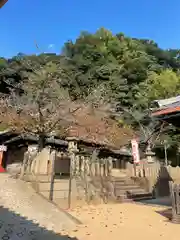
column 124, row 221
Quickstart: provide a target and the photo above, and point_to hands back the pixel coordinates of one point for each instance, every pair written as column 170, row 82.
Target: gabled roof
column 168, row 102
column 167, row 106
column 166, row 111
column 169, row 111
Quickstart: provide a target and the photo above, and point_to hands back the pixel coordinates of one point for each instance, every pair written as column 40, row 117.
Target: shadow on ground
column 15, row 227
column 161, row 201
column 167, row 213
column 161, row 187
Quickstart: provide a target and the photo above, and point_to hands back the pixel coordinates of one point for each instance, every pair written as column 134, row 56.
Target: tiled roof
column 166, row 111
column 167, row 106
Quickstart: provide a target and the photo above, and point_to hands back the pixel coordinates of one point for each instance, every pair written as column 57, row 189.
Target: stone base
column 176, row 219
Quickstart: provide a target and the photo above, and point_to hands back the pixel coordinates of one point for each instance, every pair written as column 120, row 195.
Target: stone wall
column 41, row 163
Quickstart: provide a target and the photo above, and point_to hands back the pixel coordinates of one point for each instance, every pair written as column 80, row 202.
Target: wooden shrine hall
column 168, row 111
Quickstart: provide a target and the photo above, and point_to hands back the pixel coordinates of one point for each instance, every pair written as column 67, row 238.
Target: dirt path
column 25, row 215
column 124, row 221
column 20, row 206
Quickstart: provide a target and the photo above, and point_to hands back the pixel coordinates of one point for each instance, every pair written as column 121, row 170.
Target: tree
column 41, row 107
column 158, row 86
column 94, row 62
column 117, row 62
column 131, row 72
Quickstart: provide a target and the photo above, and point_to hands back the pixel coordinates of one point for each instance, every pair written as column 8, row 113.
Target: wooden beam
column 2, row 2
column 166, row 111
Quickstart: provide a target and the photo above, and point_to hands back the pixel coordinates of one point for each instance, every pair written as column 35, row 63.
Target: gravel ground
column 19, row 199
column 124, row 221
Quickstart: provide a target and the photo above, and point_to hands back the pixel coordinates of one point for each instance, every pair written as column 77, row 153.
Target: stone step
column 128, row 181
column 119, row 192
column 136, row 191
column 139, row 197
column 135, row 197
column 115, row 179
column 123, row 184
column 127, row 186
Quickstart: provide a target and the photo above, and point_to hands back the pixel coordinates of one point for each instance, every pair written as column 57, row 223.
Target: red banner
column 135, row 150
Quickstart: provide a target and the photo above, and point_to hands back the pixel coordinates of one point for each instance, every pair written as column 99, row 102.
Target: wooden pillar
column 110, row 165
column 82, row 163
column 94, row 162
column 2, row 150
column 102, row 167
column 96, row 168
column 86, row 179
column 76, row 165
column 53, row 156
column 87, row 159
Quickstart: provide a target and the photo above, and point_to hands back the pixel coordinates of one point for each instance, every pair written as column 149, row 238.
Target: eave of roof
column 35, row 139
column 166, row 111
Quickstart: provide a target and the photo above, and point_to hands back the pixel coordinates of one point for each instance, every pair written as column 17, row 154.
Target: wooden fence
column 157, row 175
column 92, row 167
column 154, row 171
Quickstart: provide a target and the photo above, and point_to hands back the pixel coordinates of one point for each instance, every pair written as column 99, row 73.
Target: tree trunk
column 41, row 142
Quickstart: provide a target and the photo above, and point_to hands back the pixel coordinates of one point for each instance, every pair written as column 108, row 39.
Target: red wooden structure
column 169, row 111
column 1, row 158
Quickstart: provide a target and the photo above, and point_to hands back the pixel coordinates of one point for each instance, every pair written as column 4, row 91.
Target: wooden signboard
column 135, row 151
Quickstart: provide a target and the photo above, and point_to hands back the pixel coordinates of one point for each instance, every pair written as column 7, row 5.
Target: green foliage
column 158, row 86
column 127, row 72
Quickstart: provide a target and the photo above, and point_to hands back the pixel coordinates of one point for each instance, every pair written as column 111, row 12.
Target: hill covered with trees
column 128, row 73
column 122, row 66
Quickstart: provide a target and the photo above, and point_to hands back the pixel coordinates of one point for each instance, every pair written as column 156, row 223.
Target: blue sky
column 22, row 22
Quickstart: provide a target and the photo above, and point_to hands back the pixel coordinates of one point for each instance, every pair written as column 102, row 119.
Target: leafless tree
column 41, row 107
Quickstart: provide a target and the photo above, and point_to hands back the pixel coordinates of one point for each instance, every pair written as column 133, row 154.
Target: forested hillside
column 127, row 72
column 120, row 65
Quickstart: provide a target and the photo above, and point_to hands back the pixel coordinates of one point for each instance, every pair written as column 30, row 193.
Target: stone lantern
column 72, row 145
column 149, row 154
column 72, row 150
